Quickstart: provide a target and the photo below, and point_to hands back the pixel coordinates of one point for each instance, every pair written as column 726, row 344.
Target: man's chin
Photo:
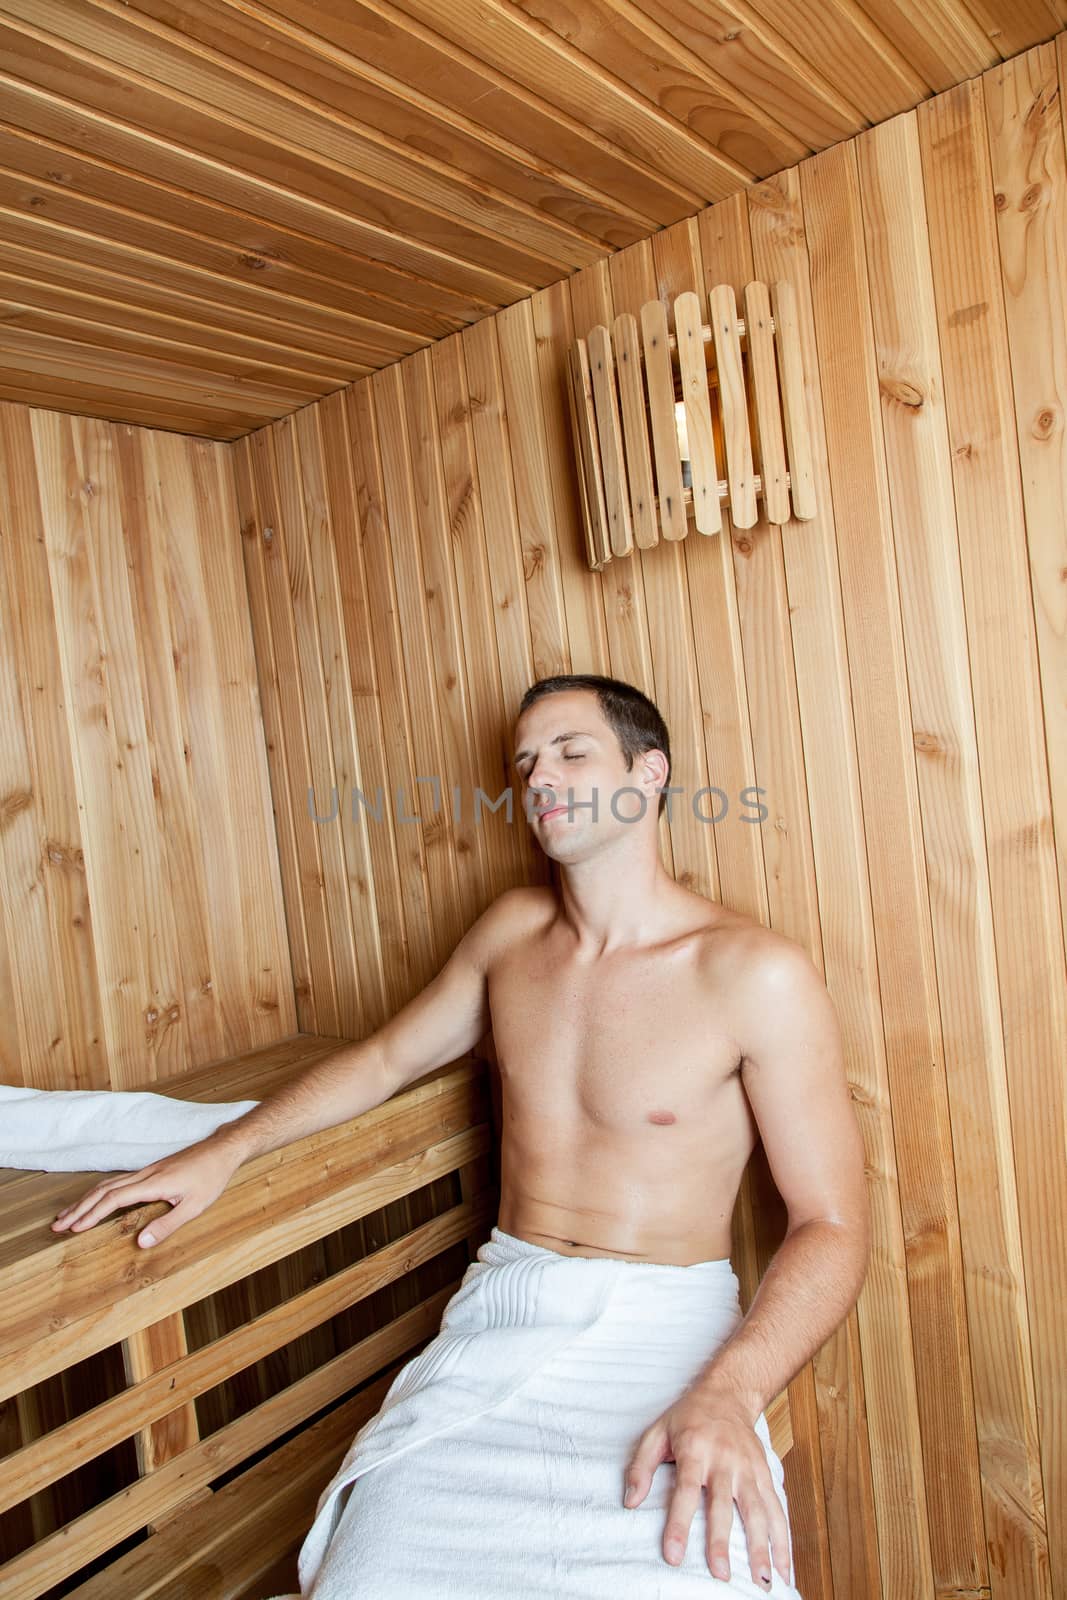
column 565, row 843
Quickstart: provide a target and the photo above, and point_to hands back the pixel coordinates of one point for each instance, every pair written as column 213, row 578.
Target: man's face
column 567, row 755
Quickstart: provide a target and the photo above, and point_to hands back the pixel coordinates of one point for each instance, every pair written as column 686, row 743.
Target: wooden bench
column 222, row 1517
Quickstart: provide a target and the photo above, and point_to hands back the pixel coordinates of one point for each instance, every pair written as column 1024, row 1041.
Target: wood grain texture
column 885, row 677
column 898, row 879
column 779, row 880
column 977, row 262
column 733, row 403
column 396, row 170
column 770, row 440
column 700, row 431
column 784, row 656
column 920, row 480
column 143, row 919
column 419, row 1141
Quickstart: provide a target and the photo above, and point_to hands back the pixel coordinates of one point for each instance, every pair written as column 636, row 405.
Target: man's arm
column 446, row 1019
column 794, row 1074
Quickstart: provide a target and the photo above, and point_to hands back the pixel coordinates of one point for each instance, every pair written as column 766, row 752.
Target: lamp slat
column 737, row 443
column 752, row 447
column 627, row 345
column 687, row 326
column 659, row 375
column 764, row 378
column 590, row 482
column 609, row 431
column 790, row 368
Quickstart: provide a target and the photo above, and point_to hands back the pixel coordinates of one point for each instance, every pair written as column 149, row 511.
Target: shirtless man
column 647, row 1037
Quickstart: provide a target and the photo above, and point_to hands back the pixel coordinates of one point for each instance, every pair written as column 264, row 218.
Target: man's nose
column 543, row 784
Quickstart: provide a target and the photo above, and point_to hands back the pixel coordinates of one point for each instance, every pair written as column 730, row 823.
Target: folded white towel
column 496, row 1463
column 102, row 1130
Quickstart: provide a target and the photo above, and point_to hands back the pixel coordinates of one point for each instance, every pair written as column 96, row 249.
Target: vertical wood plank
column 410, row 889
column 158, row 497
column 659, row 376
column 479, row 638
column 688, row 328
column 609, row 432
column 285, row 796
column 589, row 463
column 1024, row 108
column 876, row 1451
column 325, row 808
column 688, row 839
column 1017, row 804
column 582, row 630
column 377, row 910
column 625, row 615
column 354, row 938
column 92, row 638
column 143, row 1353
column 229, row 703
column 464, row 842
column 542, row 558
column 627, row 347
column 921, row 494
column 576, row 397
column 738, row 445
column 319, row 1000
column 763, row 369
column 425, row 816
column 794, row 413
column 900, row 890
column 51, row 1024
column 786, row 889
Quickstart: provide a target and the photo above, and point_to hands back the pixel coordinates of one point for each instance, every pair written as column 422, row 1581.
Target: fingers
column 720, row 1521
column 684, row 1502
column 779, row 1528
column 165, row 1225
column 754, row 1517
column 763, row 1520
column 96, row 1204
column 745, row 1481
column 100, row 1201
column 645, row 1460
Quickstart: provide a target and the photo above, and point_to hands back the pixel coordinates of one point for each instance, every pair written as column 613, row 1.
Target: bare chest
column 621, row 1049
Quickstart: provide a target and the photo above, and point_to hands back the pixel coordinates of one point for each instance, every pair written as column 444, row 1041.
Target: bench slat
column 72, row 1444
column 65, row 1304
column 59, row 1554
column 227, row 1548
column 73, row 1296
column 149, row 1350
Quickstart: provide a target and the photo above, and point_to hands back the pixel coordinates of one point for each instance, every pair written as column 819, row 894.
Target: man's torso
column 625, row 1124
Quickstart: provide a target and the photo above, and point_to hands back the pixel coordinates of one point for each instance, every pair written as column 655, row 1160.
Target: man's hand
column 714, row 1445
column 189, row 1180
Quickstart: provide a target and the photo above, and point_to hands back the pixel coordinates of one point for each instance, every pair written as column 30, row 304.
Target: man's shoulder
column 778, row 979
column 744, row 950
column 516, row 914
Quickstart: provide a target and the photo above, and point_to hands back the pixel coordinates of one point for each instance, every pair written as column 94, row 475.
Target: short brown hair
column 637, row 722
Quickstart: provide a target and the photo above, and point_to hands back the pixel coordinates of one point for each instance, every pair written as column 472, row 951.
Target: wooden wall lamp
column 725, row 396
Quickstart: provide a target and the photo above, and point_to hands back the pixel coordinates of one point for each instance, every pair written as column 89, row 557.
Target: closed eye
column 525, row 775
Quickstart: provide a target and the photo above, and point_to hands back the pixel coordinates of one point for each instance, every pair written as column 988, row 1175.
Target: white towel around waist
column 504, row 1442
column 102, row 1130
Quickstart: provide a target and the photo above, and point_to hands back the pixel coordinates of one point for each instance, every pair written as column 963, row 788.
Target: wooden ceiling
column 216, row 211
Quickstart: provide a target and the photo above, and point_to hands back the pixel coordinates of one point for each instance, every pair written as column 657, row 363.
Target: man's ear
column 655, row 769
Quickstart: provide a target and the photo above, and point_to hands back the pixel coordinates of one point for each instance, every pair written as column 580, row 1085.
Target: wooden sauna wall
column 142, row 926
column 891, row 674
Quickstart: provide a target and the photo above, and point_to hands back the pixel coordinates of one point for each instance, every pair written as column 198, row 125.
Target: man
column 646, row 1038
